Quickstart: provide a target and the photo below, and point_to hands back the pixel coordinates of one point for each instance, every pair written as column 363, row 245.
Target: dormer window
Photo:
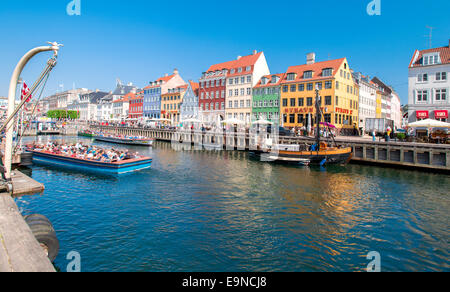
column 275, row 79
column 327, row 72
column 264, row 81
column 248, row 68
column 291, row 76
column 239, row 69
column 232, row 71
column 431, row 59
column 308, row 74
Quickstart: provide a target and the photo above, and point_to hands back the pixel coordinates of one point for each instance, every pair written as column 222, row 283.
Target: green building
column 266, row 98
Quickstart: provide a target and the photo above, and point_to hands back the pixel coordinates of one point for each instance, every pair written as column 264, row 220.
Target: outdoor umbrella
column 429, row 123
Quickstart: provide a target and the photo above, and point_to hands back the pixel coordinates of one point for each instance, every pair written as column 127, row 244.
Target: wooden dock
column 19, row 250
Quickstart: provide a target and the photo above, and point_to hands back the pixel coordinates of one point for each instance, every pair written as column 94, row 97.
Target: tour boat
column 120, row 167
column 126, row 141
column 319, row 153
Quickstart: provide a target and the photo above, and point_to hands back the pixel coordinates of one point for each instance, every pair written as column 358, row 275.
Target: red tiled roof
column 316, row 68
column 164, row 79
column 194, row 85
column 444, row 53
column 242, row 62
column 269, row 84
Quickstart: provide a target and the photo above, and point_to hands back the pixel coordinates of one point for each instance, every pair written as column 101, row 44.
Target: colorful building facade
column 136, row 106
column 339, row 95
column 171, row 103
column 190, row 104
column 266, row 98
column 153, row 93
column 244, row 74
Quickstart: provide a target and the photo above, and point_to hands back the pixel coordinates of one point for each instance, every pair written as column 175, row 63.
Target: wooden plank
column 25, row 185
column 19, row 250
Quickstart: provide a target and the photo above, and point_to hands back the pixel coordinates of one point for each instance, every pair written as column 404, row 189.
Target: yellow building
column 338, row 91
column 171, row 103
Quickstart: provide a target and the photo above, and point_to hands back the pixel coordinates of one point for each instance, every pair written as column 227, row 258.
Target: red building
column 211, row 93
column 136, row 105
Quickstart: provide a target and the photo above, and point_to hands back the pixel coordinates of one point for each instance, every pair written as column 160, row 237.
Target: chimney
column 310, row 58
column 239, row 57
column 255, row 52
column 175, row 71
column 165, row 75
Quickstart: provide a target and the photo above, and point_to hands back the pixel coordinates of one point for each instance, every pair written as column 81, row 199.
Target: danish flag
column 25, row 91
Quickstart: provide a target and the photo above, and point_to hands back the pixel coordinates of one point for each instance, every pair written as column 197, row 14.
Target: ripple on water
column 220, row 211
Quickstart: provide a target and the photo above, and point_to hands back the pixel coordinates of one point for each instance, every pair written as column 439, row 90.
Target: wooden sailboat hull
column 327, row 156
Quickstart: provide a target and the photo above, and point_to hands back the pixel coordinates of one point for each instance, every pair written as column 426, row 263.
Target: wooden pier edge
column 19, row 249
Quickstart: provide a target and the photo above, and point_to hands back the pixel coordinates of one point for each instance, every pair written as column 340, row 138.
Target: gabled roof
column 164, row 79
column 316, row 68
column 242, row 62
column 444, row 53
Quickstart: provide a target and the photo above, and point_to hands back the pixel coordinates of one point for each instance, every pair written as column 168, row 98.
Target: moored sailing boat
column 319, row 153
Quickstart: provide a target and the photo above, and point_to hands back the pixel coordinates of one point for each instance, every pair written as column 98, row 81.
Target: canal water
column 223, row 211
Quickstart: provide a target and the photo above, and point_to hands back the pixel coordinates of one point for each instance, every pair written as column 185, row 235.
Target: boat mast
column 318, row 102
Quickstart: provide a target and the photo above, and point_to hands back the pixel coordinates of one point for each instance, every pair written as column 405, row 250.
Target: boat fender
column 322, row 163
column 45, row 234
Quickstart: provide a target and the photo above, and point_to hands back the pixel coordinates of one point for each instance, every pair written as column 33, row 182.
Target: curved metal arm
column 12, row 97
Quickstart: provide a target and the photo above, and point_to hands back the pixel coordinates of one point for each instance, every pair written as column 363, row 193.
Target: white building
column 367, row 99
column 243, row 75
column 396, row 110
column 86, row 105
column 429, row 84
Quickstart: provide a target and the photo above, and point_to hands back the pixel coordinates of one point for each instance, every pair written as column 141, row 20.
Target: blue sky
column 139, row 41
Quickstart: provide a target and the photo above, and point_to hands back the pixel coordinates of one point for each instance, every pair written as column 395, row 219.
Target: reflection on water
column 221, row 211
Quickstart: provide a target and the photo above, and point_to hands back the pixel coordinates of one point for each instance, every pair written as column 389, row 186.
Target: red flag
column 25, row 91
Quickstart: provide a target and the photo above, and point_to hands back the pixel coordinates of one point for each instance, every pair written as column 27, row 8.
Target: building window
column 441, row 94
column 230, row 104
column 309, row 101
column 301, row 101
column 309, row 86
column 328, row 85
column 441, row 76
column 327, row 72
column 301, row 87
column 285, row 88
column 249, row 78
column 249, row 91
column 230, row 92
column 291, row 76
column 422, row 77
column 242, row 91
column 230, row 81
column 300, row 118
column 422, row 95
column 285, row 102
column 293, row 88
column 236, row 92
column 327, row 100
column 327, row 118
column 319, row 85
column 307, row 74
column 292, row 101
